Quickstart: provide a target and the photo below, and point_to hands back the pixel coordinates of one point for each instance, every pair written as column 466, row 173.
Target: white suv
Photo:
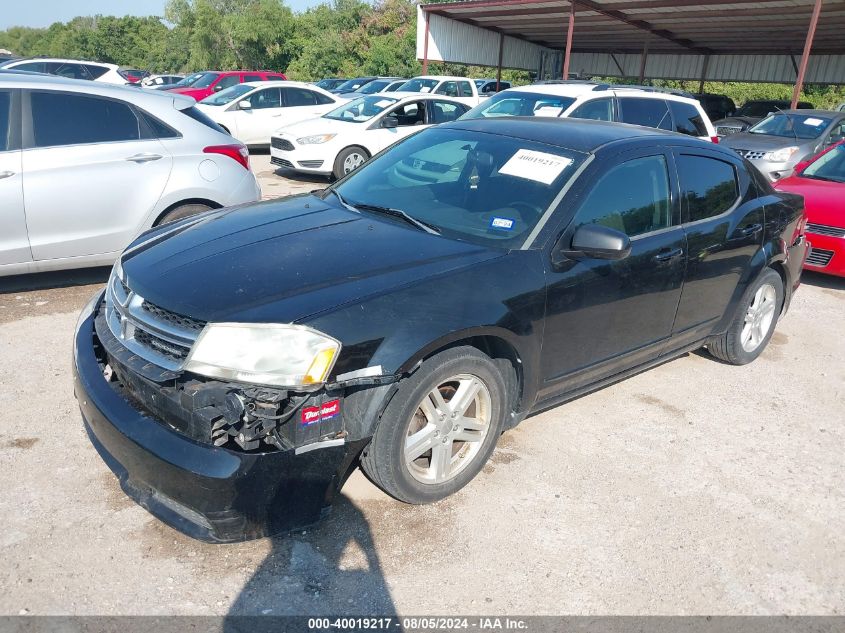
column 85, row 167
column 71, row 69
column 637, row 105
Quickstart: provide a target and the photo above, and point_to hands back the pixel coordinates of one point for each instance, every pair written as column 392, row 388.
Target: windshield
column 204, row 80
column 227, row 95
column 374, row 86
column 791, row 126
column 520, row 103
column 830, row 166
column 760, row 109
column 362, row 109
column 353, row 84
column 418, row 85
column 472, row 186
column 187, row 81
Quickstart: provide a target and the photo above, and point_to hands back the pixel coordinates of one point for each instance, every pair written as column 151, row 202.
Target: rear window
column 72, row 119
column 5, row 108
column 198, row 115
column 687, row 119
column 96, row 71
column 646, row 112
column 156, row 128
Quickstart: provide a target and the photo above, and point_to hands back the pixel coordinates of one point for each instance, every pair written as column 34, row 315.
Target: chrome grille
column 280, row 143
column 725, row 130
column 152, row 333
column 825, row 229
column 819, row 257
column 750, row 154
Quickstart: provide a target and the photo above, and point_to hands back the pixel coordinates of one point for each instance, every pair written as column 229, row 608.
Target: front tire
column 440, row 428
column 349, row 160
column 753, row 324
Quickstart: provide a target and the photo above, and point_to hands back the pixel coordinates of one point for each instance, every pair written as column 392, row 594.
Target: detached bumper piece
column 271, row 481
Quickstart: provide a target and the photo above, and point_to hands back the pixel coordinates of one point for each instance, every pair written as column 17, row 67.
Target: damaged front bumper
column 216, row 493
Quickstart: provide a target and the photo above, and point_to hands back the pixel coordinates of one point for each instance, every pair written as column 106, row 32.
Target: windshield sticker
column 813, row 122
column 537, row 166
column 501, row 223
column 384, row 103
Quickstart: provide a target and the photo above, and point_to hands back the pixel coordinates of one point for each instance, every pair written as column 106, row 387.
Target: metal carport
column 785, row 41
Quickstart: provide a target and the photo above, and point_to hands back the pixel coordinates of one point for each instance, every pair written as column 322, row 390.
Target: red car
column 214, row 81
column 821, row 180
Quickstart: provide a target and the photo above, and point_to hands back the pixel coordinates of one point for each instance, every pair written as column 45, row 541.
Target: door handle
column 143, row 158
column 666, row 255
column 6, row 174
column 749, row 230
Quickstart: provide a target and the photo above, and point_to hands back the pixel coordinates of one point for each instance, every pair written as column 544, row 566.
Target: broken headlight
column 263, row 353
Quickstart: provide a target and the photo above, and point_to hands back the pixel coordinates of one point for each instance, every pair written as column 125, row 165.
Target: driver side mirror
column 594, row 241
column 245, row 104
column 390, row 121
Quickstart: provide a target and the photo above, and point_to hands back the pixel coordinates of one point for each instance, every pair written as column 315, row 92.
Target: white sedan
column 252, row 111
column 343, row 139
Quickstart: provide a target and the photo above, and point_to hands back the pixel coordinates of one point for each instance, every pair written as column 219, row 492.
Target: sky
column 40, row 13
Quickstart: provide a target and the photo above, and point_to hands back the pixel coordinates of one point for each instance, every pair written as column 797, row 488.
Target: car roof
column 412, row 95
column 63, row 60
column 442, row 78
column 34, row 81
column 580, row 135
column 279, row 82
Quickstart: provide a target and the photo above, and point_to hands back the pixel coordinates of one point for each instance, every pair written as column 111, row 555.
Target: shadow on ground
column 330, row 569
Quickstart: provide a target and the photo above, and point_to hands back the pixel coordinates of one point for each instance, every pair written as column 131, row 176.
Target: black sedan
column 242, row 362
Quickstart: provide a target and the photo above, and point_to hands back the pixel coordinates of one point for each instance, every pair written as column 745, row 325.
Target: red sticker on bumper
column 312, row 415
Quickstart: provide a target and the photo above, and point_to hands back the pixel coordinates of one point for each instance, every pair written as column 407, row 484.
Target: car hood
column 734, row 121
column 824, row 201
column 762, row 142
column 284, row 260
column 321, row 125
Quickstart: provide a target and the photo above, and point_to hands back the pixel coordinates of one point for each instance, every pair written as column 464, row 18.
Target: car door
column 301, row 104
column 92, row 174
column 468, row 96
column 256, row 123
column 594, row 109
column 604, row 316
column 645, row 111
column 723, row 221
column 411, row 116
column 14, row 242
column 442, row 111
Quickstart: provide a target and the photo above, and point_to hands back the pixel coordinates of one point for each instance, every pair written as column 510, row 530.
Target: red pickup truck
column 214, row 81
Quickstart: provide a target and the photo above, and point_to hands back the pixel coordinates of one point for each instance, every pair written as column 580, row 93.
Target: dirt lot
column 693, row 488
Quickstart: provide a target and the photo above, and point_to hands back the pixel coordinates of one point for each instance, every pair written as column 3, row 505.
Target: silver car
column 86, row 167
column 783, row 139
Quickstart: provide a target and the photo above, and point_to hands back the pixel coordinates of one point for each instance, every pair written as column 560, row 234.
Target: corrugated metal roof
column 750, row 41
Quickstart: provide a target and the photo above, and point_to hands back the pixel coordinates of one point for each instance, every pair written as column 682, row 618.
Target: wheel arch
column 497, row 343
column 204, row 201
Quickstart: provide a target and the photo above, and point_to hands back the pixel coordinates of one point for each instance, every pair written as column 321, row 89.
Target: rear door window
column 254, row 77
column 445, row 111
column 687, row 119
column 5, row 115
column 72, row 119
column 646, row 112
column 96, row 71
column 71, row 71
column 299, row 97
column 466, row 89
column 708, row 186
column 596, row 109
column 225, row 82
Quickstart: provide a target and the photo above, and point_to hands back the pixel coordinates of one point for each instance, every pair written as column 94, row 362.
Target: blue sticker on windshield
column 501, row 223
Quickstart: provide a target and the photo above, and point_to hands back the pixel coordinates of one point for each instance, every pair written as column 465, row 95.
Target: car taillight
column 714, row 139
column 235, row 151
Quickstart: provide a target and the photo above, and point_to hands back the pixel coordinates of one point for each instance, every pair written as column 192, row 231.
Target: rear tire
column 349, row 160
column 753, row 324
column 440, row 427
column 181, row 212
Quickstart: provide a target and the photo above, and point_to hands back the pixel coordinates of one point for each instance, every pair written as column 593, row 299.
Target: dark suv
column 241, row 363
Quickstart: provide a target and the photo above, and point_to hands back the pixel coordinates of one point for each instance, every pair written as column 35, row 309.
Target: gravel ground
column 693, row 488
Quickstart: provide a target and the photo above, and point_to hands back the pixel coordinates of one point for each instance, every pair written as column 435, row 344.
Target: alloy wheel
column 448, row 429
column 759, row 317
